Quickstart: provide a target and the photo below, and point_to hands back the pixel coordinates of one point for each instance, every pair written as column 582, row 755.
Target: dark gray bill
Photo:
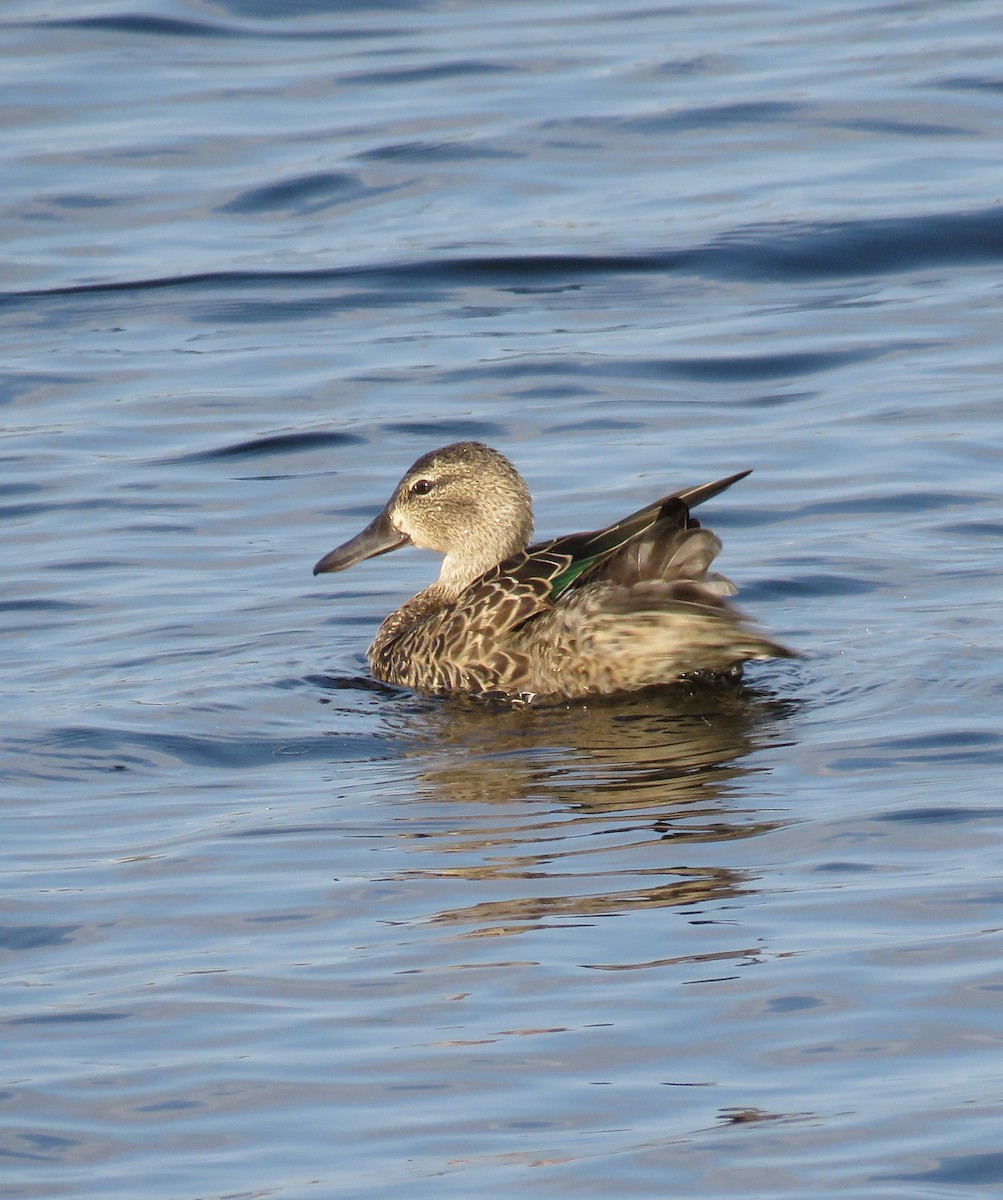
column 379, row 537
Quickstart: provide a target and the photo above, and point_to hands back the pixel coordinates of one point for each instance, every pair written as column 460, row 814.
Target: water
column 271, row 929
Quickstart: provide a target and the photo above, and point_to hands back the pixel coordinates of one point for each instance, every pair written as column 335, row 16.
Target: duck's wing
column 532, row 581
column 590, row 552
column 518, row 588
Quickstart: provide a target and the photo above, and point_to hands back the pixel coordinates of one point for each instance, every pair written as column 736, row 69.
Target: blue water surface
column 272, row 929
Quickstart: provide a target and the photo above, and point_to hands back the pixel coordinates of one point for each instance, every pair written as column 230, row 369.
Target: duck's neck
column 463, row 565
column 458, row 572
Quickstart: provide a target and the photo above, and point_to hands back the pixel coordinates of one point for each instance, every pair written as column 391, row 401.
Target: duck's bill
column 379, row 537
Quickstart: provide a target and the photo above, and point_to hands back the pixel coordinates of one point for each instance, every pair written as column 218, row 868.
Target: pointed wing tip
column 691, row 497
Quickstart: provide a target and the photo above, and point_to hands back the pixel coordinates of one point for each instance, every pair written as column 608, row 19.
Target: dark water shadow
column 782, row 251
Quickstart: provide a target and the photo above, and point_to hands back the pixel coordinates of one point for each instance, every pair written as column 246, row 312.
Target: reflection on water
column 660, row 750
column 584, row 811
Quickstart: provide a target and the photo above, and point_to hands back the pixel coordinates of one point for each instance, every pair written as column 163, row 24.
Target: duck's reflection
column 657, row 751
column 590, row 808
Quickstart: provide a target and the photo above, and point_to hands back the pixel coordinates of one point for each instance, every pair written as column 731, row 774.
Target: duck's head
column 465, row 501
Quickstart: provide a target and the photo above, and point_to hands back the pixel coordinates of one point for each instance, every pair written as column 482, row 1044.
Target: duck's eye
column 421, row 487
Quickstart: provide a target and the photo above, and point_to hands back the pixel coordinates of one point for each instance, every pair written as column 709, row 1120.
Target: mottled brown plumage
column 621, row 608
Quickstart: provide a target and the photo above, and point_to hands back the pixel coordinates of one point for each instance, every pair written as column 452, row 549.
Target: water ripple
column 66, row 752
column 304, row 194
column 279, row 443
column 766, row 252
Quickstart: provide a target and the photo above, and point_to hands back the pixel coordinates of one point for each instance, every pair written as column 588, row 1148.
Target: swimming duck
column 614, row 610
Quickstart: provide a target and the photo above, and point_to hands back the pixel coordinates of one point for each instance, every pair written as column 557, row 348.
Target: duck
column 620, row 609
